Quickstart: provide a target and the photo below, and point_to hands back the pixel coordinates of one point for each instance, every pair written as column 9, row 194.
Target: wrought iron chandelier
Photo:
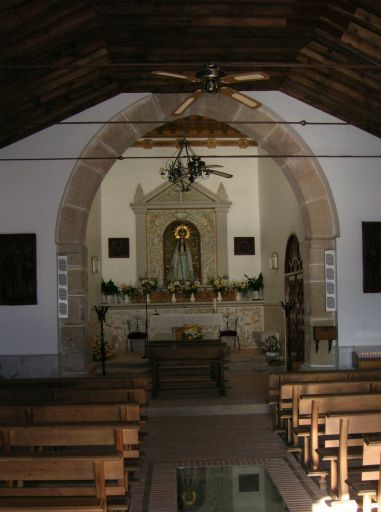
column 186, row 167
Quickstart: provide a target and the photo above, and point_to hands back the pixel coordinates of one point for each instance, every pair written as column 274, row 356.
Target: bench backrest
column 124, row 437
column 325, row 387
column 106, row 382
column 73, row 395
column 72, row 475
column 69, row 412
column 276, row 379
column 371, row 457
column 344, row 402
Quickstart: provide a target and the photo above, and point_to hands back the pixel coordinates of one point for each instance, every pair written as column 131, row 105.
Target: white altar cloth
column 160, row 326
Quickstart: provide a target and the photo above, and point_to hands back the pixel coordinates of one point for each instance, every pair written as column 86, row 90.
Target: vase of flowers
column 173, row 287
column 192, row 332
column 127, row 291
column 148, row 285
column 219, row 284
column 98, row 351
column 189, row 289
column 271, row 345
column 240, row 289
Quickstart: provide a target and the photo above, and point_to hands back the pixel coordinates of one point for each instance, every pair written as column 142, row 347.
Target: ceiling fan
column 212, row 80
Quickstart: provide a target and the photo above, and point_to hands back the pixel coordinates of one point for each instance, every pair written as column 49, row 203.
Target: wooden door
column 294, row 299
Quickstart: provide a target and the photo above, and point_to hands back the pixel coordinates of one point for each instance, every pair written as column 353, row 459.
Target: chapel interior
column 190, row 254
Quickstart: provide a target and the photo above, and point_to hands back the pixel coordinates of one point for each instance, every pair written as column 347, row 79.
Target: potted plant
column 148, row 284
column 255, row 285
column 240, row 287
column 173, row 287
column 271, row 345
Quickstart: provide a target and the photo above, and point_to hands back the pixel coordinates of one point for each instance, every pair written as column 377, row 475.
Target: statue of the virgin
column 181, row 268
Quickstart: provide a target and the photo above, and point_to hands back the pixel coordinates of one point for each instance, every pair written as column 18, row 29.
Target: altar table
column 162, row 326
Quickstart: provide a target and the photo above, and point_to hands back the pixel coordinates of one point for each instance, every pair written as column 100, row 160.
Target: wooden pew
column 61, row 480
column 176, row 368
column 366, row 482
column 124, row 437
column 343, row 440
column 70, row 412
column 11, row 395
column 288, row 411
column 276, row 379
column 311, row 407
column 83, row 382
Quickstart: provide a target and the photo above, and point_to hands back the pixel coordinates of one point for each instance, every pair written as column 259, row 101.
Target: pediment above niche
column 169, row 194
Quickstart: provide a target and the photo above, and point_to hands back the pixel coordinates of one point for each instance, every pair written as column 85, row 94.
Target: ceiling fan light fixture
column 245, row 100
column 245, row 77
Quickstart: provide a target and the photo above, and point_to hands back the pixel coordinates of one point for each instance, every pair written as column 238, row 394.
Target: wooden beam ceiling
column 59, row 58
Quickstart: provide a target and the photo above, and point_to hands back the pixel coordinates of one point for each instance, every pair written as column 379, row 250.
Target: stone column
column 222, row 243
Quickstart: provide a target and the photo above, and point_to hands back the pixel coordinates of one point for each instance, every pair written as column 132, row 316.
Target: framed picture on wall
column 118, row 247
column 244, row 245
column 371, row 256
column 18, row 274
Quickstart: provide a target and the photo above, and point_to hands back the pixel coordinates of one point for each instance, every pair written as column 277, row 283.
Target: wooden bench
column 290, row 393
column 276, row 379
column 343, row 441
column 366, row 481
column 11, row 395
column 106, row 382
column 62, row 481
column 314, row 408
column 70, row 412
column 188, row 366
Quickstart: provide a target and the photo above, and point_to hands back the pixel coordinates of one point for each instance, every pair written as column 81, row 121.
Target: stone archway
column 304, row 175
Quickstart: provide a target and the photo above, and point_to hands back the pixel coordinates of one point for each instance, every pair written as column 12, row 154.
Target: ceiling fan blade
column 181, row 76
column 220, row 173
column 216, row 165
column 242, row 98
column 187, row 103
column 245, row 77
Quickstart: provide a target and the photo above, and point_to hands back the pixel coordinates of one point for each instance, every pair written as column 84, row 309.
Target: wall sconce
column 95, row 264
column 273, row 262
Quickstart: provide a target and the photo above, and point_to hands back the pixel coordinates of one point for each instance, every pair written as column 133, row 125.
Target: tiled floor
column 212, row 430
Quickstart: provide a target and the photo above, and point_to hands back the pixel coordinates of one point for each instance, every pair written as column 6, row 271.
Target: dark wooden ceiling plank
column 329, row 104
column 317, row 53
column 354, row 100
column 362, row 46
column 353, row 53
column 15, row 133
column 41, row 19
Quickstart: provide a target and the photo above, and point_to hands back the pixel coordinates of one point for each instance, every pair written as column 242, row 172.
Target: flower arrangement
column 219, row 283
column 128, row 290
column 97, row 349
column 174, row 286
column 271, row 344
column 240, row 286
column 192, row 332
column 148, row 284
column 189, row 287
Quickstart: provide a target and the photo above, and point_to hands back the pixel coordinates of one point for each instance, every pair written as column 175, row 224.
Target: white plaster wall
column 118, row 219
column 30, row 194
column 280, row 217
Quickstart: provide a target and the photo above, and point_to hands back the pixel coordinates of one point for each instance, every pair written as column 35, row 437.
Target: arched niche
column 304, row 175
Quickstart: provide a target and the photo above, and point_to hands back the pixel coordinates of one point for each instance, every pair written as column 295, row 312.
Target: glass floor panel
column 227, row 489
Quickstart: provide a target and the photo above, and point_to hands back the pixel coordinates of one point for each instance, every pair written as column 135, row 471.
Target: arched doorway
column 305, row 176
column 294, row 303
